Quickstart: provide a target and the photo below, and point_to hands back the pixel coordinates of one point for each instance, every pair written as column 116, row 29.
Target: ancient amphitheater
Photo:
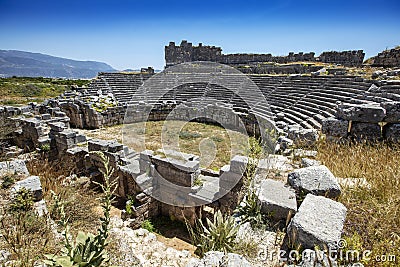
column 289, row 102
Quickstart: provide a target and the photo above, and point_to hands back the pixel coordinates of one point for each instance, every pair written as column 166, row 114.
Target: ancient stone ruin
column 388, row 58
column 186, row 52
column 296, row 110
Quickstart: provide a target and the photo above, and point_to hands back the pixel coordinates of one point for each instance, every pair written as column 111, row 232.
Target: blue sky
column 132, row 34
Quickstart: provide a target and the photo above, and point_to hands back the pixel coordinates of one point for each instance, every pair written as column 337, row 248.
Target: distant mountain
column 20, row 63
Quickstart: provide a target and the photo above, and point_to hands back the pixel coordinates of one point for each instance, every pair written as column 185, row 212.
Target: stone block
column 224, row 169
column 97, row 145
column 317, row 180
column 115, row 147
column 306, row 162
column 372, row 113
column 335, row 127
column 67, row 134
column 238, row 164
column 299, row 135
column 46, row 116
column 144, row 181
column 146, row 155
column 229, row 179
column 391, row 132
column 80, row 138
column 277, row 199
column 32, row 183
column 318, row 222
column 59, row 114
column 392, row 111
column 17, row 167
column 365, row 131
column 285, row 143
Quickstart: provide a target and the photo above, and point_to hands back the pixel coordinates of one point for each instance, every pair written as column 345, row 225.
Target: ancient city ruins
column 305, row 95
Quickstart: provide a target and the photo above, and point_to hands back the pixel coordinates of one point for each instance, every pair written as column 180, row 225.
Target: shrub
column 26, row 235
column 45, row 148
column 217, row 235
column 22, row 201
column 8, row 181
column 129, row 204
column 189, row 135
column 250, row 209
column 148, row 225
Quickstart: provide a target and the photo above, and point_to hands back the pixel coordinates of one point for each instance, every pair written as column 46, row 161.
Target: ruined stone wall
column 186, row 52
column 388, row 58
column 281, row 69
column 345, row 58
column 234, row 59
column 134, row 173
column 359, row 122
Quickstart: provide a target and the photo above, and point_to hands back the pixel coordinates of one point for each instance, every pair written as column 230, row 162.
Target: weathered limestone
column 179, row 168
column 392, row 111
column 391, row 132
column 299, row 135
column 16, row 167
column 365, row 131
column 33, row 132
column 387, row 58
column 372, row 113
column 186, row 52
column 104, row 146
column 276, row 199
column 346, row 58
column 317, row 180
column 57, row 126
column 335, row 127
column 318, row 222
column 32, row 183
column 239, row 164
column 306, row 162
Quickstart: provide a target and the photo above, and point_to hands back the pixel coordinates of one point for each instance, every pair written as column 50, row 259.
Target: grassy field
column 22, row 90
column 211, row 142
column 373, row 218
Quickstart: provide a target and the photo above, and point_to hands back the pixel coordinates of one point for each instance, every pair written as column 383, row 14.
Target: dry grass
column 81, row 203
column 373, row 219
column 214, row 144
column 29, row 237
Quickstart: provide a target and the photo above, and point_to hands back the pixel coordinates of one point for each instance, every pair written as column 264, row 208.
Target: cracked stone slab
column 318, row 222
column 32, row 183
column 392, row 111
column 317, row 180
column 17, row 167
column 361, row 112
column 335, row 127
column 277, row 199
column 306, row 162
